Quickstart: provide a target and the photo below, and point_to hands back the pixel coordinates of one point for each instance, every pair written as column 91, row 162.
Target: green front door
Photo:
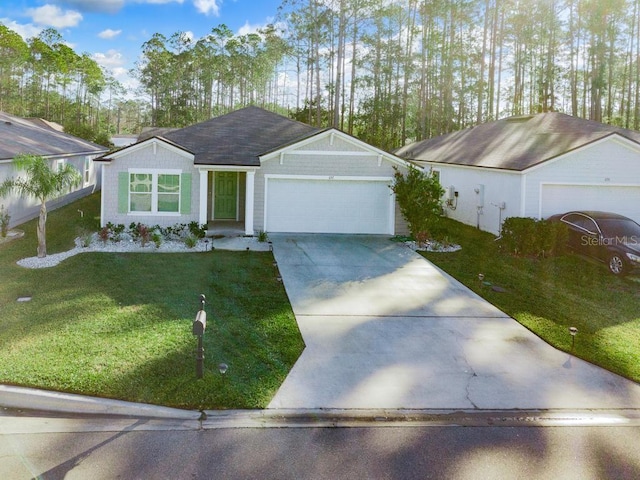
column 226, row 195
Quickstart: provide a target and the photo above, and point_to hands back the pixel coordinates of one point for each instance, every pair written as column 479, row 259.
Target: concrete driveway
column 384, row 328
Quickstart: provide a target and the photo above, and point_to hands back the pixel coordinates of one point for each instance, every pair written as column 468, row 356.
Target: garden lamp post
column 572, row 332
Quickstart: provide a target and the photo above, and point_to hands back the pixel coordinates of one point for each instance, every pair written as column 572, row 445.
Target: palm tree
column 43, row 183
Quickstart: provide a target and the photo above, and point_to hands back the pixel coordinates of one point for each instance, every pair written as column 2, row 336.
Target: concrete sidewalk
column 384, row 328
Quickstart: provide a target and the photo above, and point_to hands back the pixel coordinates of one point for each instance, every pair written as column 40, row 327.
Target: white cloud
column 26, row 31
column 111, row 60
column 108, row 34
column 160, row 2
column 53, row 16
column 208, row 7
column 248, row 28
column 105, row 6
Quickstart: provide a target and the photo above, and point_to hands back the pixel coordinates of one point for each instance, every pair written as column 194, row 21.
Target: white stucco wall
column 498, row 186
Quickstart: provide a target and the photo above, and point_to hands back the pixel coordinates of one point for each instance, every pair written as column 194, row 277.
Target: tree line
column 386, row 72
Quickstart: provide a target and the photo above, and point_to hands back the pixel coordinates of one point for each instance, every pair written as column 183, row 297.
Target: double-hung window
column 155, row 192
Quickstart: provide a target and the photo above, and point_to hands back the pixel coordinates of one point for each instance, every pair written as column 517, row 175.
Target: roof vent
column 7, row 122
column 519, row 118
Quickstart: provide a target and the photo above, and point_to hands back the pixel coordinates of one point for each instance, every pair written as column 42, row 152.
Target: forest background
column 387, row 72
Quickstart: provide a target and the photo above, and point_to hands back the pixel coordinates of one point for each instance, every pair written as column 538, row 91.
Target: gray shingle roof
column 240, row 137
column 514, row 143
column 24, row 136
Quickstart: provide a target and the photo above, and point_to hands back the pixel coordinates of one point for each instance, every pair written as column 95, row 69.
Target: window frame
column 87, row 170
column 155, row 175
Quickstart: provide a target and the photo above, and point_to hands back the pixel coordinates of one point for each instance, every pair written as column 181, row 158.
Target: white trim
column 102, row 190
column 144, row 144
column 328, row 177
column 541, row 186
column 614, row 137
column 202, row 201
column 333, row 153
column 162, row 171
column 154, row 172
column 370, row 149
column 249, row 202
column 225, row 168
column 523, row 194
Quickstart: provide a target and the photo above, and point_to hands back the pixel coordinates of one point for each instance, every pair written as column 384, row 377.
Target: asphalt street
column 143, row 449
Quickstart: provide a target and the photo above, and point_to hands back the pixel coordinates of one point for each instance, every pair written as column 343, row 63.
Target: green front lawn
column 550, row 295
column 119, row 325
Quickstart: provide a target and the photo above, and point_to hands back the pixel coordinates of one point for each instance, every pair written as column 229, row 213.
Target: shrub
column 197, row 230
column 104, row 234
column 530, row 237
column 156, row 238
column 190, row 241
column 143, row 233
column 419, row 196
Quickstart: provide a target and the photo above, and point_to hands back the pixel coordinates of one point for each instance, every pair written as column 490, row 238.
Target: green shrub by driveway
column 119, row 325
column 549, row 295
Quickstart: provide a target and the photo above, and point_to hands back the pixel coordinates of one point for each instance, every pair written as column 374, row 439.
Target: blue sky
column 113, row 31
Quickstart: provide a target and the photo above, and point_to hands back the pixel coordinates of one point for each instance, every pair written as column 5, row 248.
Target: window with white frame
column 87, row 170
column 154, row 192
column 59, row 165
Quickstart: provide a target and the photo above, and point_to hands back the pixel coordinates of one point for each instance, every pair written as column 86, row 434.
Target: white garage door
column 311, row 205
column 624, row 200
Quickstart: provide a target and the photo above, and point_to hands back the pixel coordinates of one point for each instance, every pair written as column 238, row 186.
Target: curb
column 50, row 404
column 34, row 399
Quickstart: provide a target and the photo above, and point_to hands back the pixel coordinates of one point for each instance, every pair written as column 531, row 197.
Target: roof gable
column 515, row 143
column 153, row 142
column 333, row 141
column 24, row 136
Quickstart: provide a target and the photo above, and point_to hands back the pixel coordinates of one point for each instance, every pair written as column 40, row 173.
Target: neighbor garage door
column 609, row 198
column 328, row 205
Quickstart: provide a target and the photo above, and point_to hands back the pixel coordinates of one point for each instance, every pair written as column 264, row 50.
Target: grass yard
column 550, row 295
column 119, row 325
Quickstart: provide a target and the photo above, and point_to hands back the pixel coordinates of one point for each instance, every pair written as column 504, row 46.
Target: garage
column 308, row 204
column 621, row 199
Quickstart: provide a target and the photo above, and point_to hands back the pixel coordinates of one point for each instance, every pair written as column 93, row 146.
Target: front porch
column 225, row 228
column 227, row 201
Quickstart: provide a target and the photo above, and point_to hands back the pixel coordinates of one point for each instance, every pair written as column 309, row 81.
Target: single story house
column 37, row 137
column 533, row 166
column 255, row 167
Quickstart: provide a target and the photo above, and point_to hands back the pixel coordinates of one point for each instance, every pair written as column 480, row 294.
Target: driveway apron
column 385, row 328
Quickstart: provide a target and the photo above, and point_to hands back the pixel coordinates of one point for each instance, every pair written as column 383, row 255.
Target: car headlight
column 633, row 257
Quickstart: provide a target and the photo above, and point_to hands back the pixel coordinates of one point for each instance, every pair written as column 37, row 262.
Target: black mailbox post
column 199, row 326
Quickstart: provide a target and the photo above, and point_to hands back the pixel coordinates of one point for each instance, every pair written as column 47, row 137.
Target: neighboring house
column 258, row 168
column 38, row 137
column 533, row 166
